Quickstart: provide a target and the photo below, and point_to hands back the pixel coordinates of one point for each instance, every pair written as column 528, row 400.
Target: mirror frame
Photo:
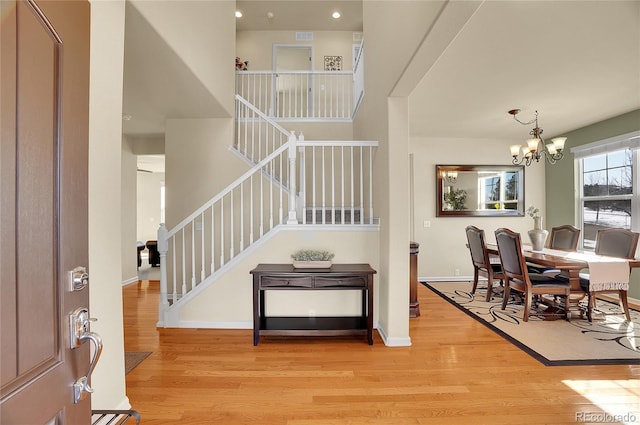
column 442, row 169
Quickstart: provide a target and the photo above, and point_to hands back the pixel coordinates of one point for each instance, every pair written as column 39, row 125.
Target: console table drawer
column 286, row 282
column 341, row 282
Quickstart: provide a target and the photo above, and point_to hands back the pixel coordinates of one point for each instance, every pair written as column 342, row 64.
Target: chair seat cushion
column 541, row 280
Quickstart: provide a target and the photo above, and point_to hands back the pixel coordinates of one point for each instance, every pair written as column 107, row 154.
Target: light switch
column 426, row 223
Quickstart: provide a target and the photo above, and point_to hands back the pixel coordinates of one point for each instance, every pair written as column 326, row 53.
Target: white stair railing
column 256, row 135
column 295, row 95
column 217, row 232
column 336, row 180
column 336, row 188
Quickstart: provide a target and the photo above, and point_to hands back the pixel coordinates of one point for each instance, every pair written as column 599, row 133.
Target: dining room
column 551, row 188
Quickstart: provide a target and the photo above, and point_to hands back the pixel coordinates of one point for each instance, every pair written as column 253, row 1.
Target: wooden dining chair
column 518, row 277
column 563, row 238
column 615, row 242
column 482, row 265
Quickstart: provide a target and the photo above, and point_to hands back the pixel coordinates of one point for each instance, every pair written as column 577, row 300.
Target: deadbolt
column 78, row 279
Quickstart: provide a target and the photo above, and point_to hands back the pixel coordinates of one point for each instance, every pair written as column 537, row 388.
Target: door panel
column 45, row 86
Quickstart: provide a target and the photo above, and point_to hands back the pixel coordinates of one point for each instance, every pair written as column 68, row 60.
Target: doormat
column 133, row 359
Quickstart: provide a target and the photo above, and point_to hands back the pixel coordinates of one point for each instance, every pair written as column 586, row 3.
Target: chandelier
column 536, row 147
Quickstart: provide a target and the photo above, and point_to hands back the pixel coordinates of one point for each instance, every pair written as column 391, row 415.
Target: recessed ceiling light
column 126, row 117
column 336, row 15
column 270, row 15
column 238, row 14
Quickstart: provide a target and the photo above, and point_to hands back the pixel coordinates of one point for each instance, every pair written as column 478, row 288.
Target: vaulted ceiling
column 577, row 62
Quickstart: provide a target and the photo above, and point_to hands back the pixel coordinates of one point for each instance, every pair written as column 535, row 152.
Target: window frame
column 626, row 141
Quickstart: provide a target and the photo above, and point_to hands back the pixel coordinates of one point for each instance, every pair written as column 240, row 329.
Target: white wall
column 442, row 246
column 148, row 204
column 105, row 200
column 198, row 164
column 235, row 287
column 257, row 47
column 202, row 34
column 128, row 214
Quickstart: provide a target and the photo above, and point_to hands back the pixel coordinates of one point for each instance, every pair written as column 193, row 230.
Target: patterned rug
column 133, row 359
column 609, row 339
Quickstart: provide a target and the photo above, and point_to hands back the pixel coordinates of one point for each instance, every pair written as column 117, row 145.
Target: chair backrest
column 617, row 242
column 477, row 247
column 510, row 249
column 564, row 238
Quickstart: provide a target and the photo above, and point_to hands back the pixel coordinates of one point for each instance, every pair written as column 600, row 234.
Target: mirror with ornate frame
column 479, row 190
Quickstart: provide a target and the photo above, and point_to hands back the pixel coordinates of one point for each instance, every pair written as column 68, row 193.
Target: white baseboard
column 130, row 281
column 393, row 342
column 447, row 279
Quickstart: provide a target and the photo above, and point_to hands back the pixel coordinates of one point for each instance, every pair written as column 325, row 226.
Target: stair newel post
column 303, row 183
column 163, row 247
column 292, row 219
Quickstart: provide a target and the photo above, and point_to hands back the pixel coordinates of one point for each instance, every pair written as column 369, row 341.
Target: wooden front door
column 43, row 213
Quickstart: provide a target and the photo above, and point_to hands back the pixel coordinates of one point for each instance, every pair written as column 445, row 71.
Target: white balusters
column 300, row 94
column 334, row 187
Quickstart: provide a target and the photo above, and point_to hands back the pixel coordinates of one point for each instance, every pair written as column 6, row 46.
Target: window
column 498, row 191
column 609, row 191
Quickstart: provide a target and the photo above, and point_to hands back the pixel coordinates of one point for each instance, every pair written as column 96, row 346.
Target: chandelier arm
column 526, row 123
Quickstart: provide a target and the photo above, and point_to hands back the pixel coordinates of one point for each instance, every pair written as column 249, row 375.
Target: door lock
column 79, row 332
column 78, row 279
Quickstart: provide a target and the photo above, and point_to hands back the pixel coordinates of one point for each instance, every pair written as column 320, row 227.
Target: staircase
column 290, row 181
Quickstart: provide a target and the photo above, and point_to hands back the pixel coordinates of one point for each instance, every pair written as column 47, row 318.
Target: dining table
column 569, row 263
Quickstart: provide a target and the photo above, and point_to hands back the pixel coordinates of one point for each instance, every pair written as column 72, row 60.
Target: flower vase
column 538, row 235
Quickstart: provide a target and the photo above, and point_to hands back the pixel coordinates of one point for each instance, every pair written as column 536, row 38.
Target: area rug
column 609, row 339
column 133, row 359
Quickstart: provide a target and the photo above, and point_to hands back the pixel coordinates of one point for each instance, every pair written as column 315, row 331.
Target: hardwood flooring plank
column 456, row 372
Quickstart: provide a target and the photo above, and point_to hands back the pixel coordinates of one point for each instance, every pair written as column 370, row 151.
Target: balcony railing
column 299, row 95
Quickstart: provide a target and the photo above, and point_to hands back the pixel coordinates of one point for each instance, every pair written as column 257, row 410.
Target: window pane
column 619, row 158
column 511, row 188
column 595, row 183
column 620, row 181
column 492, row 189
column 597, row 162
column 604, row 214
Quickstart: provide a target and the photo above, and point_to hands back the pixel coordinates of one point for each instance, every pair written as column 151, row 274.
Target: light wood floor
column 456, row 372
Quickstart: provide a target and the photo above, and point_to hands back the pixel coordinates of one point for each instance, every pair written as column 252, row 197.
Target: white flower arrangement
column 533, row 212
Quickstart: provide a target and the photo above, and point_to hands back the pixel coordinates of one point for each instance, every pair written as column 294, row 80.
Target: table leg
column 577, row 294
column 369, row 292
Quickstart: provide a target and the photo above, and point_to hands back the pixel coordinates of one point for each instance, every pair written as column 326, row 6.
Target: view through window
column 607, row 192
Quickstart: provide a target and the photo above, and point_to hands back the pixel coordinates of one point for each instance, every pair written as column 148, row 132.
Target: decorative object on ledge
column 333, row 63
column 537, row 235
column 312, row 259
column 241, row 65
column 536, row 147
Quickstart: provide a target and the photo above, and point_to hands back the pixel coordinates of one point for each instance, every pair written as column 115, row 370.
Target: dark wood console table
column 354, row 277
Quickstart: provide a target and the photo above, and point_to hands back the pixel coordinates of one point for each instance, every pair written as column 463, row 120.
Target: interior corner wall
column 202, row 34
column 443, row 245
column 561, row 190
column 561, row 177
column 105, row 200
column 388, row 48
column 128, row 212
column 198, row 164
